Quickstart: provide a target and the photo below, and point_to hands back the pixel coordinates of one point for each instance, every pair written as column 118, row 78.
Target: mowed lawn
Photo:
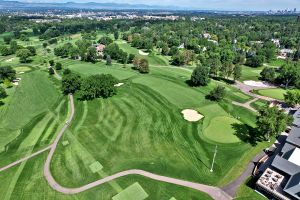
column 31, row 114
column 276, row 93
column 27, row 182
column 142, row 128
column 153, row 58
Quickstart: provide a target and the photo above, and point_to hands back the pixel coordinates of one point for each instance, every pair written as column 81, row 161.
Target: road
column 247, row 90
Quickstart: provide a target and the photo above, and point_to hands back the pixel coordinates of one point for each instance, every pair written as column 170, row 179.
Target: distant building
column 100, row 48
column 284, row 53
column 206, row 35
column 282, row 179
column 276, row 42
column 181, row 46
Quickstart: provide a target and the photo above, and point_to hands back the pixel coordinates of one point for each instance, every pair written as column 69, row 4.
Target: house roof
column 295, row 157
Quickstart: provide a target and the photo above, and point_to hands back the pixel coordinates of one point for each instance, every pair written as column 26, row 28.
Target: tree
column 116, row 35
column 95, row 86
column 13, row 46
column 7, row 72
column 217, row 94
column 45, row 44
column 7, row 39
column 4, row 51
column 32, row 50
column 268, row 74
column 71, row 83
column 51, row 63
column 144, row 66
column 2, row 93
column 67, row 71
column 51, row 71
column 289, row 73
column 24, row 55
column 108, row 60
column 271, row 121
column 200, row 76
column 237, row 72
column 292, row 98
column 105, row 40
column 91, row 55
column 58, row 66
column 255, row 61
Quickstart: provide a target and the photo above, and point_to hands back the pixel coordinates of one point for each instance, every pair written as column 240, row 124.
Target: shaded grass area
column 247, row 192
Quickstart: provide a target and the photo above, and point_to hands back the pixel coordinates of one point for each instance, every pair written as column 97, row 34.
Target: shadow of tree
column 228, row 81
column 1, row 103
column 247, row 133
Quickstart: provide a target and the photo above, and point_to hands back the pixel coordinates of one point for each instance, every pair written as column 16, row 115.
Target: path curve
column 214, row 192
column 247, row 90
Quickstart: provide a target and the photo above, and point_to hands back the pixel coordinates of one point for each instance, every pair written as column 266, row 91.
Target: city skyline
column 246, row 5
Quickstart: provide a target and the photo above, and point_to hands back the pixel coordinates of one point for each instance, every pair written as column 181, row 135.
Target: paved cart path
column 214, row 192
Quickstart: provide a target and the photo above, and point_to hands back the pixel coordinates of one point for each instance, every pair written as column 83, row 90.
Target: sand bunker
column 9, row 60
column 257, row 84
column 191, row 115
column 143, row 53
column 119, row 84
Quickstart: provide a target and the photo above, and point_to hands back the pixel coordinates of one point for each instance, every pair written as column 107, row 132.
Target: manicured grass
column 27, row 182
column 247, row 192
column 259, row 104
column 142, row 127
column 30, row 116
column 221, row 130
column 100, row 68
column 250, row 73
column 277, row 62
column 133, row 192
column 276, row 93
column 156, row 60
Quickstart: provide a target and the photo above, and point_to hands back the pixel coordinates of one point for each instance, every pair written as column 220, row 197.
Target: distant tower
column 295, row 10
column 298, row 20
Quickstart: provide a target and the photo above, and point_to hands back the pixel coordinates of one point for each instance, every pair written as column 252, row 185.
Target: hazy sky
column 205, row 4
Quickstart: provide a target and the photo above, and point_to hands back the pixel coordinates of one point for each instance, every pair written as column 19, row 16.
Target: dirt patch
column 191, row 115
column 143, row 53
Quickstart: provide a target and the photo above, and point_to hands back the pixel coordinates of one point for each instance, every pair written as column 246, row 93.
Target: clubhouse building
column 281, row 179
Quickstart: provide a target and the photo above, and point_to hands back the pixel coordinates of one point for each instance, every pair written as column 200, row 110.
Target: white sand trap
column 143, row 53
column 257, row 84
column 119, row 84
column 21, row 72
column 191, row 115
column 9, row 60
column 16, row 83
column 123, row 42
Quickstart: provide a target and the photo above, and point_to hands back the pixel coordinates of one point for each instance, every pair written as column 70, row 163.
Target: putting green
column 22, row 69
column 220, row 130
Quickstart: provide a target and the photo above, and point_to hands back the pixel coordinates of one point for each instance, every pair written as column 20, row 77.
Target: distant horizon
column 221, row 5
